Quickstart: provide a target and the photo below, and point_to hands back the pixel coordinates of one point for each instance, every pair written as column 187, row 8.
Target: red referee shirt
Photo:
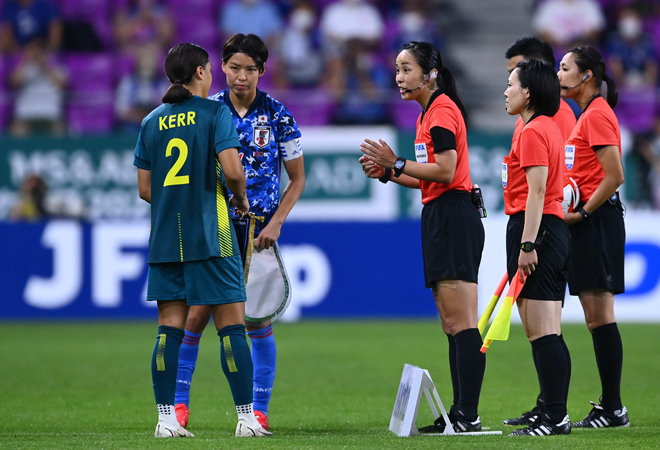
column 442, row 112
column 540, row 143
column 597, row 126
column 565, row 120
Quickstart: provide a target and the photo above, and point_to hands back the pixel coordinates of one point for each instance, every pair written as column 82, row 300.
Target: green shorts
column 211, row 281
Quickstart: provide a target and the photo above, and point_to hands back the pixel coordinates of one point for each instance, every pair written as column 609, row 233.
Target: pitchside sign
column 94, row 177
column 416, row 381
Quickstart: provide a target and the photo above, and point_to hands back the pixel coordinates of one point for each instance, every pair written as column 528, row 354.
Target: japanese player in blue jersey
column 187, row 158
column 269, row 137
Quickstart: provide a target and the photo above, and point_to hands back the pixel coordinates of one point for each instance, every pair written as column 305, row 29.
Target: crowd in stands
column 627, row 32
column 95, row 66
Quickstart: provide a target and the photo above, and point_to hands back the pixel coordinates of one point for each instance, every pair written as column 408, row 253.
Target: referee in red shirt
column 593, row 160
column 537, row 239
column 452, row 232
column 533, row 48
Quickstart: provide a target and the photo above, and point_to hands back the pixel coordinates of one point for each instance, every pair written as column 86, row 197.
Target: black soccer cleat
column 526, row 419
column 543, row 426
column 599, row 418
column 458, row 420
column 439, row 423
column 462, row 424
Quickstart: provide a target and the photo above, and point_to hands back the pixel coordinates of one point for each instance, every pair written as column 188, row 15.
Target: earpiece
column 433, row 75
column 585, row 77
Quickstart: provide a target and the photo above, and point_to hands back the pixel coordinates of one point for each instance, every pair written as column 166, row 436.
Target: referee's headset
column 432, row 76
column 584, row 78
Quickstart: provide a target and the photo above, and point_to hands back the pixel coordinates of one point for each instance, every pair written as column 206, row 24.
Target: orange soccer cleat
column 261, row 418
column 183, row 413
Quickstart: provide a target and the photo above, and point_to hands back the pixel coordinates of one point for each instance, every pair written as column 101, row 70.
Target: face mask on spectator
column 302, row 19
column 630, row 27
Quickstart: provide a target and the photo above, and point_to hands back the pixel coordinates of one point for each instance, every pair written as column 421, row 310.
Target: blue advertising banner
column 66, row 269
column 69, row 269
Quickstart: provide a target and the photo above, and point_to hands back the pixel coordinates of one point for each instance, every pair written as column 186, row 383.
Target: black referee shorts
column 452, row 238
column 548, row 281
column 599, row 246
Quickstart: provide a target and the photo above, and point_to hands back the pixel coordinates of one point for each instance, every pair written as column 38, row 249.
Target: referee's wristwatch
column 583, row 213
column 399, row 164
column 527, row 246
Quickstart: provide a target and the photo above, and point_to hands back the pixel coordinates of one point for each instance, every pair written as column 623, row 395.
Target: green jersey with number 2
column 179, row 143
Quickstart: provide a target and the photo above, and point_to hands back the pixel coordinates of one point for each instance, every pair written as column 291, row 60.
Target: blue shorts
column 211, row 281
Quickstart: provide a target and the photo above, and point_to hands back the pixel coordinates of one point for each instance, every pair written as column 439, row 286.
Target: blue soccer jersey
column 265, row 128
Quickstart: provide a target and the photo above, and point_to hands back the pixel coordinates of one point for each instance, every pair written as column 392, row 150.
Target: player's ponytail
column 612, row 93
column 180, row 65
column 450, row 90
column 588, row 58
column 429, row 58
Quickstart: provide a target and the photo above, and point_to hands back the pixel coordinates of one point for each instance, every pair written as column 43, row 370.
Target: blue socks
column 164, row 363
column 264, row 355
column 187, row 361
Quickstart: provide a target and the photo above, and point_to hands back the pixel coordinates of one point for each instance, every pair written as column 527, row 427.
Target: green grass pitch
column 88, row 385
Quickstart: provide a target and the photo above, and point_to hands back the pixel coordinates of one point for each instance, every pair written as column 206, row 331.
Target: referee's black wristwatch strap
column 386, row 176
column 583, row 213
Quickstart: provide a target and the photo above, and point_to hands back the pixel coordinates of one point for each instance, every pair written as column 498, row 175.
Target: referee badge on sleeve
column 569, row 155
column 421, row 155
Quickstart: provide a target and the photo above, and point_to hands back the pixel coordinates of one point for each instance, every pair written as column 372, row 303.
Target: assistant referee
column 537, row 239
column 593, row 160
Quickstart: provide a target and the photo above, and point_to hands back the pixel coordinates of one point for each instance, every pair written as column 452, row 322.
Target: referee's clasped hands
column 378, row 152
column 370, row 168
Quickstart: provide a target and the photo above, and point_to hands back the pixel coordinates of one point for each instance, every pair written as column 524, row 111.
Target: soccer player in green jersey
column 187, row 157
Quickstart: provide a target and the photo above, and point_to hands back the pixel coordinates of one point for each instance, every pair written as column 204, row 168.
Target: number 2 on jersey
column 172, row 178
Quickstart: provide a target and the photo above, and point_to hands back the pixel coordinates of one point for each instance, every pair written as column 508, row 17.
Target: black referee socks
column 471, row 365
column 570, row 366
column 552, row 367
column 609, row 357
column 452, row 367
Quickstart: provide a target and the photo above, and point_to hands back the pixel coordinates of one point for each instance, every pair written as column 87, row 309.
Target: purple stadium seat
column 200, row 31
column 637, row 108
column 90, row 72
column 405, row 113
column 90, row 106
column 85, row 9
column 194, row 8
column 91, row 118
column 6, row 103
column 309, row 107
column 124, row 65
column 653, row 27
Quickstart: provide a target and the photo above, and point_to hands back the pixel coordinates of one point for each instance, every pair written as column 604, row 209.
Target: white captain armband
column 290, row 149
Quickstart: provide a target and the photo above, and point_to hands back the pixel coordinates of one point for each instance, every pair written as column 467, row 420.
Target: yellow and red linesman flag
column 499, row 329
column 485, row 317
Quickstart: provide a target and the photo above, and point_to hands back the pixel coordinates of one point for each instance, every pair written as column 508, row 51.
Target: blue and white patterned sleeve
column 288, row 135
